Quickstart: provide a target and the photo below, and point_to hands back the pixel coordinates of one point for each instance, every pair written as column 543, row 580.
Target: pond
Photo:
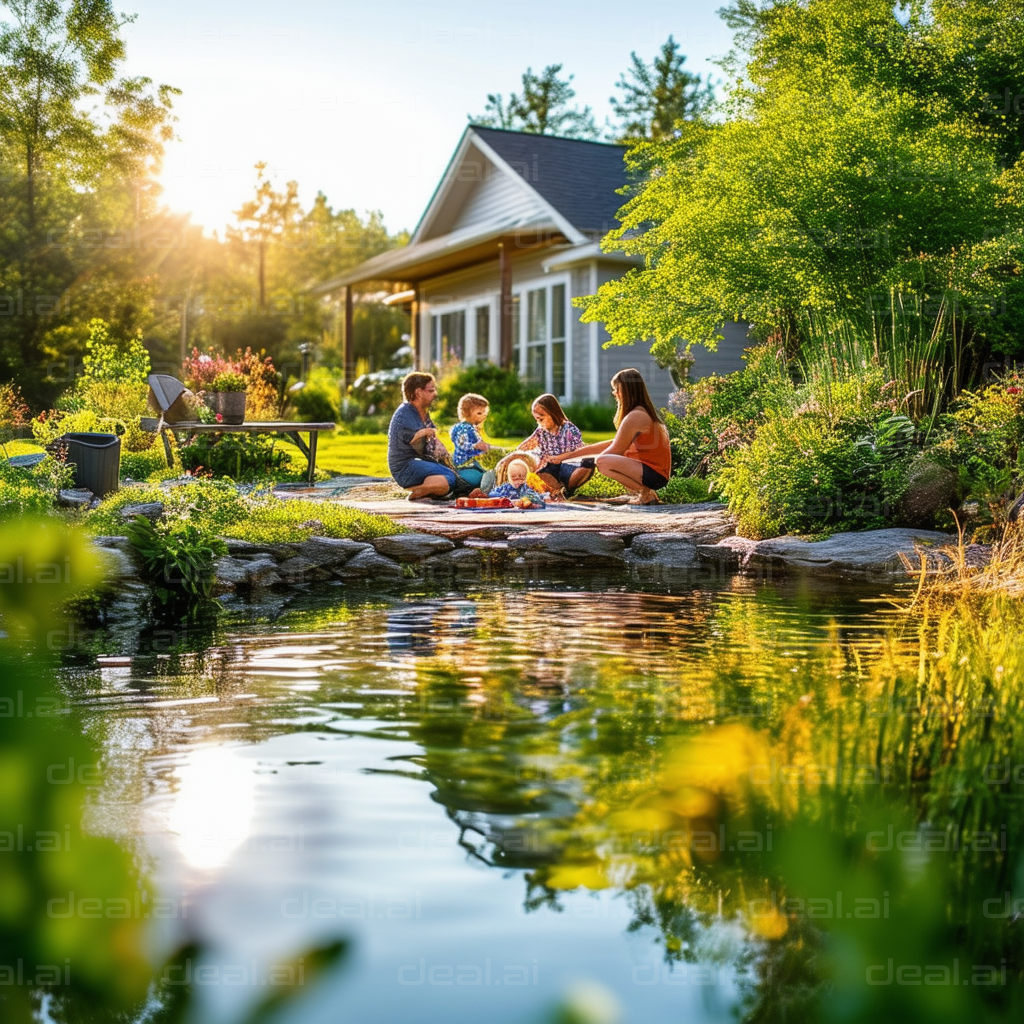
column 469, row 797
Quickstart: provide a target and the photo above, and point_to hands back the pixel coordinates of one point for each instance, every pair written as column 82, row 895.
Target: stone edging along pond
column 685, row 543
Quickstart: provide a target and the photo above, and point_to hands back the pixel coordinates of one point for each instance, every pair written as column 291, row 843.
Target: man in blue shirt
column 410, row 429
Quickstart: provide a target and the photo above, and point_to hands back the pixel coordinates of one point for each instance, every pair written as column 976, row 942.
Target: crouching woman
column 639, row 456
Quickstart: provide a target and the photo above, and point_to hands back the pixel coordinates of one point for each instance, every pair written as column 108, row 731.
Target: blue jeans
column 412, row 474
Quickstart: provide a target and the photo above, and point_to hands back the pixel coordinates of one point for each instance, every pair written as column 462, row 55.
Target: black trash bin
column 97, row 459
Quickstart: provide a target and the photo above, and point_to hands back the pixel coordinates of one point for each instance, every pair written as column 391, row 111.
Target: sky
column 365, row 100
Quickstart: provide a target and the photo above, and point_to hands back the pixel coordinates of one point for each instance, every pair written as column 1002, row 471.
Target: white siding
column 497, row 198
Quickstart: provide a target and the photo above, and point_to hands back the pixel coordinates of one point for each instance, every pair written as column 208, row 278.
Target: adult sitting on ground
column 639, row 456
column 556, row 435
column 410, row 434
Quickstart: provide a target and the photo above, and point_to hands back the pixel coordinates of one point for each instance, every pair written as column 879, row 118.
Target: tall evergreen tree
column 544, row 108
column 654, row 97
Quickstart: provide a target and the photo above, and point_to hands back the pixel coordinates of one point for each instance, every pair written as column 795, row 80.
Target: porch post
column 349, row 350
column 505, row 307
column 416, row 331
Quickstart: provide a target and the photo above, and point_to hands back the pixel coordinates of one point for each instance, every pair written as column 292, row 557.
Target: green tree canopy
column 653, row 97
column 544, row 108
column 849, row 168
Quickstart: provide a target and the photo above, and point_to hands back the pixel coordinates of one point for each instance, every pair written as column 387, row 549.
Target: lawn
column 364, row 454
column 368, row 453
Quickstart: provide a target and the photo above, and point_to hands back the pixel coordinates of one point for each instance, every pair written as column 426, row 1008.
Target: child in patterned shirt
column 465, row 435
column 517, row 489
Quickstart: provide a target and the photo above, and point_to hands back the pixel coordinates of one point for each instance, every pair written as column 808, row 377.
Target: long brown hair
column 632, row 394
column 550, row 405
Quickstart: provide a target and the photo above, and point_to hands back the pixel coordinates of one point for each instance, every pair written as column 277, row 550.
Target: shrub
column 238, row 456
column 106, row 518
column 317, row 401
column 599, row 486
column 716, row 414
column 13, row 411
column 141, row 465
column 366, row 425
column 508, row 397
column 803, row 474
column 982, row 439
column 263, row 382
column 375, row 394
column 685, row 490
column 591, row 416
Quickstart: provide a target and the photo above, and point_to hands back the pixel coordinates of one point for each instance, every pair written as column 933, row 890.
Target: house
column 510, row 237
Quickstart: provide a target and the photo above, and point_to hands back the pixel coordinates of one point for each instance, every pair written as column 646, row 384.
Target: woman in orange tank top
column 639, row 456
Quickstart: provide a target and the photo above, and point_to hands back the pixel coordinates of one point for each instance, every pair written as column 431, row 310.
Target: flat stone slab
column 871, row 553
column 411, row 547
column 663, row 550
column 369, row 565
column 585, row 544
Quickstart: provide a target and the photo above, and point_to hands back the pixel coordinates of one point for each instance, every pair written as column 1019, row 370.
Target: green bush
column 366, row 425
column 318, row 400
column 238, row 456
column 685, row 490
column 375, row 394
column 982, row 439
column 803, row 474
column 508, row 397
column 599, row 486
column 140, row 465
column 591, row 416
column 716, row 414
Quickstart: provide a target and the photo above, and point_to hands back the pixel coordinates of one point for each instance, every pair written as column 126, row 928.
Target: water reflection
column 564, row 783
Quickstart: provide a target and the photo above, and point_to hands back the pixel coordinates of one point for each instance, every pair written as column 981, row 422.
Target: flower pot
column 229, row 404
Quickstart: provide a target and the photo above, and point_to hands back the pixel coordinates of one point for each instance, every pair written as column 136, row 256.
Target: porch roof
column 470, row 246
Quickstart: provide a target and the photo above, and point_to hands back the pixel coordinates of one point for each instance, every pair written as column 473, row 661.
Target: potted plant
column 226, row 397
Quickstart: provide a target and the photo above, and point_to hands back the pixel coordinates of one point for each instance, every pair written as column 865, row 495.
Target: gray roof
column 578, row 178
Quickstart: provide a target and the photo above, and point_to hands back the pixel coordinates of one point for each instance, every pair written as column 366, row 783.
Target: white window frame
column 548, row 282
column 468, row 308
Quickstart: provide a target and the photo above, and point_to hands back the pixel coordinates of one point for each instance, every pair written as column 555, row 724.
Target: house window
column 448, row 332
column 516, row 347
column 483, row 333
column 543, row 362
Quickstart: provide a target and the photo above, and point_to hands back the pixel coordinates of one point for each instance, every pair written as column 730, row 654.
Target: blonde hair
column 521, row 462
column 467, row 403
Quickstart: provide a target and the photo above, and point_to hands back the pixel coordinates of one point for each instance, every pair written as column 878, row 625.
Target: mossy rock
column 931, row 490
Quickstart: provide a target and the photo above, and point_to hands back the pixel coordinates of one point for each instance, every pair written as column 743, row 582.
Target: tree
column 72, row 172
column 847, row 174
column 543, row 108
column 654, row 97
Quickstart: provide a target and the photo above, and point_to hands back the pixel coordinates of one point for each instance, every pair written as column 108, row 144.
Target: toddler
column 466, row 436
column 517, row 488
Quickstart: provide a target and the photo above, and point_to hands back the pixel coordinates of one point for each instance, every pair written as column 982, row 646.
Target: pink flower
column 1013, row 391
column 219, row 418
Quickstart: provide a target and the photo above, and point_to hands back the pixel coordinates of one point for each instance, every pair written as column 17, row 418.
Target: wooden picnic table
column 292, row 431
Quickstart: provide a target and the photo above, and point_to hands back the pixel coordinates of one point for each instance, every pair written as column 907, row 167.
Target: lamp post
column 306, row 351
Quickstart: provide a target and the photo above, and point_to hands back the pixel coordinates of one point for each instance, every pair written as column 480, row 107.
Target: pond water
column 437, row 781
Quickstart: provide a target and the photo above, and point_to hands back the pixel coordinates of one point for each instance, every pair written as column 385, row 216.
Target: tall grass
column 918, row 342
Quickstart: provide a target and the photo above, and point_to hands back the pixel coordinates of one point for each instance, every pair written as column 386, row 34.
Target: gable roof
column 567, row 189
column 578, row 178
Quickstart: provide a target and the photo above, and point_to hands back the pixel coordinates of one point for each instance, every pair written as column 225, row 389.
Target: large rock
column 300, row 569
column 117, row 564
column 77, row 497
column 331, row 552
column 570, row 544
column 247, row 549
column 663, row 550
column 368, row 564
column 411, row 547
column 230, row 573
column 729, row 554
column 931, row 489
column 873, row 553
column 121, row 543
column 459, row 560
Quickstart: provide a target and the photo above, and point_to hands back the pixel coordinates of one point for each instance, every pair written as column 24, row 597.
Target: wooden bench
column 292, row 431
